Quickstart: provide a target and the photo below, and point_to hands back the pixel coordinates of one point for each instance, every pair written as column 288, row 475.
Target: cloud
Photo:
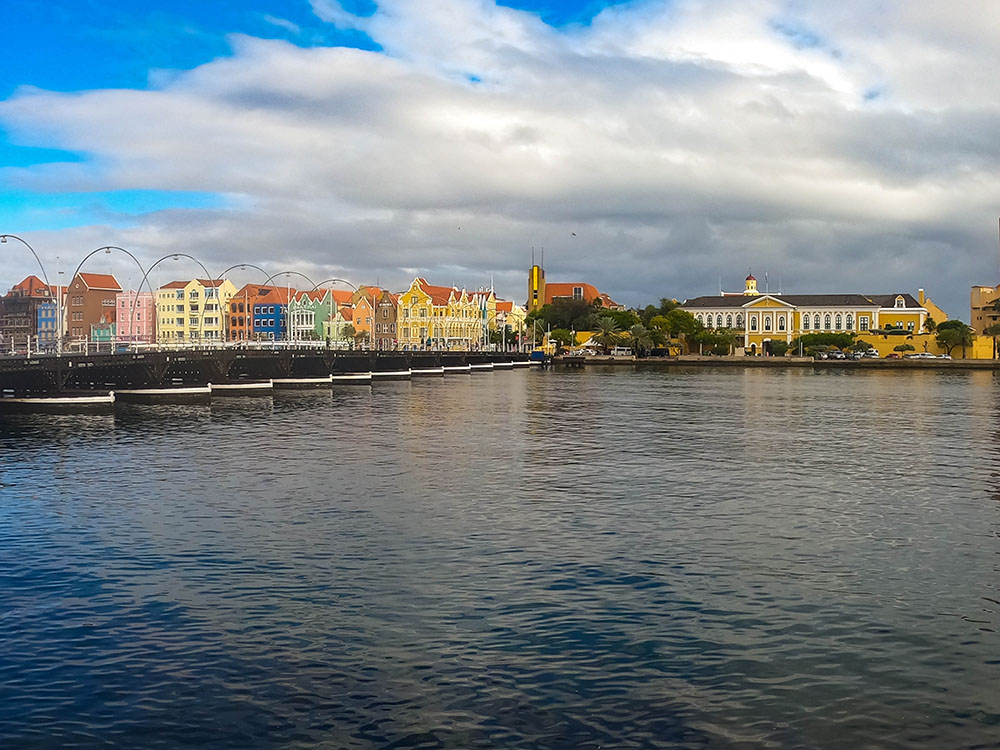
column 680, row 141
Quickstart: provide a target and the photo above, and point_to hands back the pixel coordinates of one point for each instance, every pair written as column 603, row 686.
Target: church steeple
column 751, row 287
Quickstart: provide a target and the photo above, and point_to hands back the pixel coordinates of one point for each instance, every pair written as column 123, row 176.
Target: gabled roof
column 175, row 285
column 505, row 306
column 31, row 287
column 342, row 296
column 102, row 281
column 561, row 289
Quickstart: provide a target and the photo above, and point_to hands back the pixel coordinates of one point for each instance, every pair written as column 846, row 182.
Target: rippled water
column 684, row 558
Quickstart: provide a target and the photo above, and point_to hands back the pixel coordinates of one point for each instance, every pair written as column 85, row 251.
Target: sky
column 654, row 148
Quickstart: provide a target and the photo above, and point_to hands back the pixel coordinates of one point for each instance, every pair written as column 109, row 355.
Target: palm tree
column 993, row 331
column 607, row 334
column 930, row 324
column 641, row 338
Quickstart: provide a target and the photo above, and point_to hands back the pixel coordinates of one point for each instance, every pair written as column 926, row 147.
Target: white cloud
column 680, row 141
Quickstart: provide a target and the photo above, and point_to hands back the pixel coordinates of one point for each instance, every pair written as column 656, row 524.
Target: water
column 681, row 559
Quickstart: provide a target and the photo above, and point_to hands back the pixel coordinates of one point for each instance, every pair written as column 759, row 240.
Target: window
column 767, row 322
column 423, row 314
column 850, row 322
column 900, row 302
column 840, row 323
column 385, row 313
column 700, row 319
column 729, row 321
column 781, row 322
column 826, row 322
column 816, row 321
column 753, row 322
column 406, row 313
column 805, row 322
column 909, row 326
column 863, row 323
column 718, row 321
column 739, row 320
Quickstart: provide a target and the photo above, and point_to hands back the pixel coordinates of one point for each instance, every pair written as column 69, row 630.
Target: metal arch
column 331, row 281
column 270, row 279
column 201, row 317
column 37, row 259
column 109, row 248
column 227, row 315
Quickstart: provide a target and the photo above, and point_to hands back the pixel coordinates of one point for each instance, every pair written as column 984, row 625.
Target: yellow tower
column 536, row 288
column 751, row 289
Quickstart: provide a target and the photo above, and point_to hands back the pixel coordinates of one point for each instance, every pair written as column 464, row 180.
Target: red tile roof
column 342, row 296
column 103, row 281
column 31, row 287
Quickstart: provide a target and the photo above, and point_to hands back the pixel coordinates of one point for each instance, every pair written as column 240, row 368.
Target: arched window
column 729, row 320
column 805, row 322
column 816, row 321
column 900, row 302
column 826, row 322
column 850, row 322
column 739, row 320
column 840, row 323
column 753, row 322
column 700, row 319
column 767, row 322
column 718, row 321
column 781, row 322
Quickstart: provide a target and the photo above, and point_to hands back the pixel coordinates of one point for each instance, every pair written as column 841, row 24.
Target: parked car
column 943, row 356
column 822, row 355
column 892, row 355
column 872, row 353
column 837, row 354
column 921, row 355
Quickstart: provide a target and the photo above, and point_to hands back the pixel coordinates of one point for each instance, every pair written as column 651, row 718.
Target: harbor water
column 675, row 558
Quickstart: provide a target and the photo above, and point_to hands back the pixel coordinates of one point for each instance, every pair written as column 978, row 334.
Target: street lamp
column 45, row 276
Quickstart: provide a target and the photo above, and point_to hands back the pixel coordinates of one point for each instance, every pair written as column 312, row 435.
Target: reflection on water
column 599, row 558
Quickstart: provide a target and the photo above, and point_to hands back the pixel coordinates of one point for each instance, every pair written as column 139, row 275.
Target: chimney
column 920, row 297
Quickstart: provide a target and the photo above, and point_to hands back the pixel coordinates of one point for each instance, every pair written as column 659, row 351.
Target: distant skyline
column 652, row 147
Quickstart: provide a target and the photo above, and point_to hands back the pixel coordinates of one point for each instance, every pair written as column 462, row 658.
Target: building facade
column 27, row 315
column 542, row 292
column 192, row 311
column 763, row 318
column 90, row 301
column 135, row 317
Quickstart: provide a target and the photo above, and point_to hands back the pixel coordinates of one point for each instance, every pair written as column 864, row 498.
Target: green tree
column 625, row 319
column 562, row 336
column 930, row 325
column 640, row 339
column 993, row 331
column 779, row 348
column 823, row 341
column 953, row 333
column 719, row 341
column 607, row 333
column 903, row 348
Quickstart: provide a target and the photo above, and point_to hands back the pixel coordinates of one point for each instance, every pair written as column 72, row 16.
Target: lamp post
column 219, row 279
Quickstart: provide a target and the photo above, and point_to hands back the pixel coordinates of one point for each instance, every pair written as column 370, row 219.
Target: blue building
column 48, row 328
column 270, row 316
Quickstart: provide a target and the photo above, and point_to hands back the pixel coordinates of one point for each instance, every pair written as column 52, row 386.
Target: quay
column 697, row 360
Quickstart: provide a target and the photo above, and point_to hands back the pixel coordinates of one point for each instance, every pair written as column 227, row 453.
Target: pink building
column 136, row 317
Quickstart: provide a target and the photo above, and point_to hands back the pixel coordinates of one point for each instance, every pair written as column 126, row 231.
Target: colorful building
column 27, row 314
column 542, row 292
column 440, row 317
column 136, row 317
column 341, row 326
column 763, row 318
column 270, row 313
column 90, row 301
column 192, row 311
column 308, row 311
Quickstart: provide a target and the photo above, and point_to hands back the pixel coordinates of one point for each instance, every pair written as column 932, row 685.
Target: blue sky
column 107, row 44
column 652, row 146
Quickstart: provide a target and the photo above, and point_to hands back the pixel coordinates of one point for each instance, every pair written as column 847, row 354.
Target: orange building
column 542, row 292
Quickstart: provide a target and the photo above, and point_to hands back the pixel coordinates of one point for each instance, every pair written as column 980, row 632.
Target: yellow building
column 440, row 317
column 765, row 317
column 192, row 311
column 984, row 309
